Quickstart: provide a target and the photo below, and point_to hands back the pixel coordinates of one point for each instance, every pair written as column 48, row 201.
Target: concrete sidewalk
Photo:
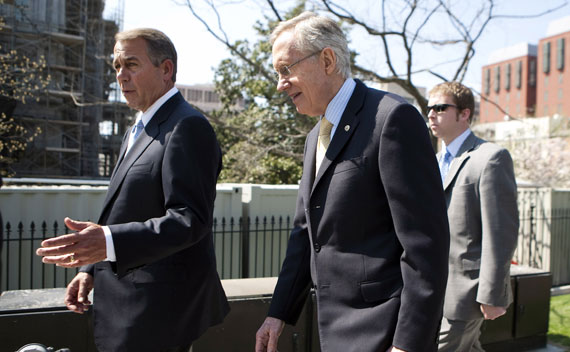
column 549, row 348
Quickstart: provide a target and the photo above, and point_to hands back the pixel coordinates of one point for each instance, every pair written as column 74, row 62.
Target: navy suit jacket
column 370, row 232
column 164, row 289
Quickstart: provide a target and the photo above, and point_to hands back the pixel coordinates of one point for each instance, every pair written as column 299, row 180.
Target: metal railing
column 244, row 248
column 256, row 248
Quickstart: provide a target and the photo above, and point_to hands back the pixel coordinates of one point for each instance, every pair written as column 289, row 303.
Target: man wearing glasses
column 371, row 232
column 481, row 194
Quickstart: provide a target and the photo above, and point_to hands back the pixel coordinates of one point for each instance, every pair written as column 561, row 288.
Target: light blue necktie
column 444, row 166
column 137, row 129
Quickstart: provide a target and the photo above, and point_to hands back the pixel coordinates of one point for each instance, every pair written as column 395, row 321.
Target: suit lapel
column 463, row 154
column 311, row 158
column 346, row 127
column 149, row 134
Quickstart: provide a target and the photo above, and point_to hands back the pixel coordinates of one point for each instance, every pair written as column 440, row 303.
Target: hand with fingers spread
column 268, row 335
column 77, row 294
column 85, row 246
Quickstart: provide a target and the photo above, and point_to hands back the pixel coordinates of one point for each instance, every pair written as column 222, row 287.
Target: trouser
column 187, row 348
column 460, row 336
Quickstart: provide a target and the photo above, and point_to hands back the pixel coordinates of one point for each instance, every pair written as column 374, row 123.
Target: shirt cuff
column 111, row 257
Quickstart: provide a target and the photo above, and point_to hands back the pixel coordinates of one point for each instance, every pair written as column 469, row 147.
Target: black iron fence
column 255, row 247
column 244, row 248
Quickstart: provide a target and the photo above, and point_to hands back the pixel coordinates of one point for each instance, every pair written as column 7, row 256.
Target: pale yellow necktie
column 323, row 141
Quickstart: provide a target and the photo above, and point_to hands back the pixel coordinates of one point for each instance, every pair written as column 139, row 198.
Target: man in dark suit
column 481, row 194
column 152, row 265
column 371, row 229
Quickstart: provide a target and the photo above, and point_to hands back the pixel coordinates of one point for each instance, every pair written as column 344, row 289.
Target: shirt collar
column 149, row 113
column 338, row 104
column 453, row 147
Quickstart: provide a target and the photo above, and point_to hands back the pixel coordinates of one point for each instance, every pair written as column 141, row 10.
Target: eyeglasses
column 440, row 107
column 285, row 71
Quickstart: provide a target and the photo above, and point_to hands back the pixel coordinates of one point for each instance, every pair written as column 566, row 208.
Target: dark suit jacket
column 370, row 232
column 481, row 194
column 164, row 289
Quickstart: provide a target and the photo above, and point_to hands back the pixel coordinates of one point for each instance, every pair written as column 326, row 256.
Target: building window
column 211, row 97
column 194, row 95
column 560, row 54
column 487, row 81
column 508, row 97
column 559, row 109
column 546, row 57
column 560, row 94
column 508, row 77
column 545, row 95
column 497, row 79
column 560, row 78
column 546, row 81
column 545, row 110
column 532, row 73
column 518, row 76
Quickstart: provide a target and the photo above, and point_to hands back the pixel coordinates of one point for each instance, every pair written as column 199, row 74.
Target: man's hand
column 395, row 349
column 77, row 294
column 492, row 312
column 268, row 335
column 86, row 246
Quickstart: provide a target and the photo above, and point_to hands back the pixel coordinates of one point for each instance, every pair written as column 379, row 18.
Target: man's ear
column 167, row 67
column 329, row 58
column 464, row 115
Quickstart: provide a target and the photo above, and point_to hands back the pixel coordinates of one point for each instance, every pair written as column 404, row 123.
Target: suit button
column 317, row 247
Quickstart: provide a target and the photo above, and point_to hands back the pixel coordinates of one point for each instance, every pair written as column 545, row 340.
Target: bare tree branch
column 226, row 42
column 272, row 5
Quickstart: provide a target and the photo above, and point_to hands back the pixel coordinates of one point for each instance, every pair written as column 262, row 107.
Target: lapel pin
column 346, row 128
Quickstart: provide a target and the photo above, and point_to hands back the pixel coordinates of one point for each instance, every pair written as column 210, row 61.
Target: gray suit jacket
column 481, row 195
column 370, row 232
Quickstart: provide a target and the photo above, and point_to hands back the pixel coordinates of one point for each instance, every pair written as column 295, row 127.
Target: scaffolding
column 77, row 43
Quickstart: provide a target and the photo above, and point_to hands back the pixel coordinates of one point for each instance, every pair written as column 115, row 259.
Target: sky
column 199, row 52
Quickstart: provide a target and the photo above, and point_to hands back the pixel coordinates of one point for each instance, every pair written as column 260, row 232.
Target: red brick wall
column 553, row 87
column 514, row 100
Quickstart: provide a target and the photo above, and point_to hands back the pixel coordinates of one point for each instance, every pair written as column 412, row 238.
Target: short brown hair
column 461, row 95
column 159, row 46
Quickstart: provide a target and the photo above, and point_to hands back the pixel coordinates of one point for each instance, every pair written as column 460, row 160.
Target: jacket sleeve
column 500, row 223
column 410, row 176
column 294, row 280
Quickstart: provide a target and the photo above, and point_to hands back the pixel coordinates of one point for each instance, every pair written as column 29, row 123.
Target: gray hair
column 159, row 46
column 313, row 33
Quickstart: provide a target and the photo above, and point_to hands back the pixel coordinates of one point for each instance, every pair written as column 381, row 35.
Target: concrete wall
column 39, row 316
column 52, row 203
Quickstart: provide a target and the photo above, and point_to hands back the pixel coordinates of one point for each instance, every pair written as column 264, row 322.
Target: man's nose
column 122, row 74
column 282, row 84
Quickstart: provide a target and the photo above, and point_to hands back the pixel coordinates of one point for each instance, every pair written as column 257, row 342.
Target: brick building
column 553, row 74
column 509, row 83
column 527, row 80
